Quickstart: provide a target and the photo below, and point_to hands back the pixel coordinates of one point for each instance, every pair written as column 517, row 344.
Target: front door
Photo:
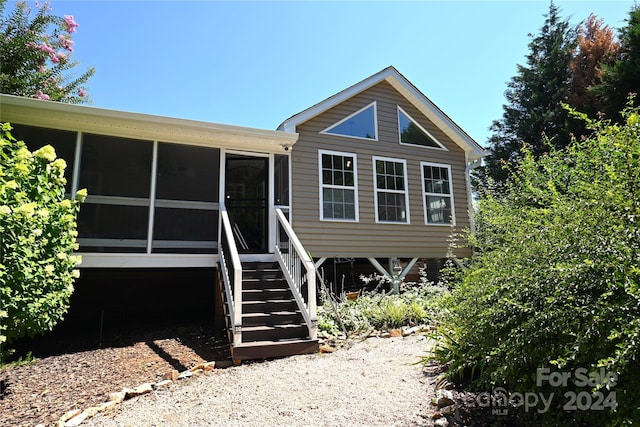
column 246, row 181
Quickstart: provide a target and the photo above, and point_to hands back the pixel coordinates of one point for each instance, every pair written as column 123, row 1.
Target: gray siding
column 366, row 237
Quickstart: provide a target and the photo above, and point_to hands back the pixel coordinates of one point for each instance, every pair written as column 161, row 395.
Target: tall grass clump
column 376, row 310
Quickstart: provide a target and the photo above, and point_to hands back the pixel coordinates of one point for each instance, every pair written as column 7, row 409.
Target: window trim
column 425, row 194
column 419, row 126
column 321, row 186
column 375, row 189
column 326, row 130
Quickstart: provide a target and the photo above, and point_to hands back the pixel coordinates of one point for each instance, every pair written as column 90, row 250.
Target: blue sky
column 257, row 63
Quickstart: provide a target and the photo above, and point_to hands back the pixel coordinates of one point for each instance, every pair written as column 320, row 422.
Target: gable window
column 412, row 133
column 391, row 196
column 437, row 193
column 361, row 124
column 338, row 186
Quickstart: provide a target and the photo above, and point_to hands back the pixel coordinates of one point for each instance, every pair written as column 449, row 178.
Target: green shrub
column 37, row 239
column 391, row 313
column 556, row 280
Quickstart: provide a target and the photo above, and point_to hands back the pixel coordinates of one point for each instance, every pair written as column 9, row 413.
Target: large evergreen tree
column 534, row 99
column 623, row 77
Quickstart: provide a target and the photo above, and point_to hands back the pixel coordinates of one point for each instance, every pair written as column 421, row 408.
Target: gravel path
column 367, row 383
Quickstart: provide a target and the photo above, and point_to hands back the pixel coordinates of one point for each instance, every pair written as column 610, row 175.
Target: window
column 361, row 124
column 438, row 194
column 338, row 186
column 412, row 133
column 391, row 196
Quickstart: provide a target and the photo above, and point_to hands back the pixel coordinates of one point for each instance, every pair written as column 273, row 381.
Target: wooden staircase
column 272, row 324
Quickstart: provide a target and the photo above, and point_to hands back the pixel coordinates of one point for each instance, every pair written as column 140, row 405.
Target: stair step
column 272, row 319
column 262, row 275
column 267, row 283
column 271, row 349
column 266, row 294
column 269, row 306
column 274, row 333
column 272, row 324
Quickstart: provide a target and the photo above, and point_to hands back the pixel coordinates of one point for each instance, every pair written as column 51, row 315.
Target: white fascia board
column 472, row 149
column 290, row 124
column 88, row 119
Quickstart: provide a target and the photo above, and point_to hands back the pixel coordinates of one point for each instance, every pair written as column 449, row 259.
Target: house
column 376, row 171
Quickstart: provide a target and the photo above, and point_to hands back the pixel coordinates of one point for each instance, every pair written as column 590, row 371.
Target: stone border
column 76, row 417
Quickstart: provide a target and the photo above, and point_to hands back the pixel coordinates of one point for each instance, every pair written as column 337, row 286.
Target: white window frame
column 425, row 194
column 376, row 190
column 326, row 131
column 322, row 186
column 415, row 122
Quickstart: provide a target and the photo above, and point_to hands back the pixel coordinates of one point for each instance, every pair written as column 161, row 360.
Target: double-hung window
column 338, row 186
column 391, row 195
column 437, row 193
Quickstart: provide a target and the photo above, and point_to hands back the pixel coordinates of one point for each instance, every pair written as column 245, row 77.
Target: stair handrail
column 292, row 259
column 231, row 269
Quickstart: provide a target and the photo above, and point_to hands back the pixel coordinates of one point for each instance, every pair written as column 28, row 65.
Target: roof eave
column 127, row 124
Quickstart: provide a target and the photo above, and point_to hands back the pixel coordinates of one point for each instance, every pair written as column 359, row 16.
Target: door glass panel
column 246, row 201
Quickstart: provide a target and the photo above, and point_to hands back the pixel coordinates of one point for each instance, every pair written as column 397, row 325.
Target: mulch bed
column 71, row 373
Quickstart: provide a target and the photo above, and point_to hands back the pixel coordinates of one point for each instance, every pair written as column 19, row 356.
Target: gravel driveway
column 368, row 383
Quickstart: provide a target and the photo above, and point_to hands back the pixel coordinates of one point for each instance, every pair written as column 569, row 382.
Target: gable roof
column 472, row 149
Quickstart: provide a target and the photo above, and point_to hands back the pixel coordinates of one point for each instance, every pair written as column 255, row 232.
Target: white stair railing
column 299, row 271
column 231, row 269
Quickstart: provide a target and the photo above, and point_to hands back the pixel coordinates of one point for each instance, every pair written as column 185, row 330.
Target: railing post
column 237, row 300
column 297, row 264
column 227, row 251
column 311, row 289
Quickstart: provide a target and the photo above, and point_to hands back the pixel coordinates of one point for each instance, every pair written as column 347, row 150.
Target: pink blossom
column 82, row 92
column 54, row 58
column 32, row 45
column 44, row 6
column 46, row 48
column 40, row 95
column 61, row 57
column 70, row 24
column 66, row 43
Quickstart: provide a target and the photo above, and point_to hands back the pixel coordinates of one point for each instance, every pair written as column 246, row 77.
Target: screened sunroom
column 154, row 184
